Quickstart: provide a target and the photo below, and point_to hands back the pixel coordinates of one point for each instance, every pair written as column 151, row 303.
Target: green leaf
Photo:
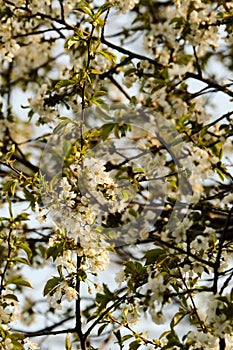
column 98, row 22
column 134, row 345
column 221, row 172
column 29, row 196
column 68, row 342
column 125, row 194
column 51, row 285
column 103, row 8
column 17, row 345
column 30, row 114
column 173, row 339
column 10, row 186
column 11, row 297
column 95, row 71
column 62, row 125
column 133, row 212
column 177, row 318
column 137, row 272
column 97, row 101
column 17, row 336
column 100, row 93
column 71, row 42
column 165, row 73
column 85, row 10
column 202, row 132
column 153, row 255
column 126, row 337
column 27, row 250
column 217, row 149
column 102, row 328
column 172, row 183
column 17, row 339
column 130, row 71
column 110, row 56
column 22, row 260
column 19, row 281
column 164, row 334
column 104, row 299
column 133, row 267
column 4, row 218
column 138, row 170
column 11, row 152
column 55, row 250
column 183, row 58
column 79, row 34
column 82, row 275
column 178, row 21
column 21, row 217
column 106, row 130
column 118, row 336
column 62, row 83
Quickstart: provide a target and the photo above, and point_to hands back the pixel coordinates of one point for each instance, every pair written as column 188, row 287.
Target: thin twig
column 219, row 253
column 9, row 250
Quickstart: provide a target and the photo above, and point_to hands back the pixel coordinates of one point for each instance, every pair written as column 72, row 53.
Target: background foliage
column 116, row 181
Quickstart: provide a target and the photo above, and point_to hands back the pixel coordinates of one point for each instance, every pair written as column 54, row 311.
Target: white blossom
column 66, row 261
column 31, row 345
column 127, row 5
column 8, row 345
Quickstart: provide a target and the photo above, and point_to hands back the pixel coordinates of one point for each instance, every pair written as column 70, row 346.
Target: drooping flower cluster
column 83, row 200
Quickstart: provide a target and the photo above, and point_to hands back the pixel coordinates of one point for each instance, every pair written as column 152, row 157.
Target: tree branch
column 209, row 82
column 49, row 330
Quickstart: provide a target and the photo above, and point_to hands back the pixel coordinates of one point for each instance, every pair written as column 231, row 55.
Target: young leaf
column 110, row 56
column 103, row 8
column 68, row 342
column 62, row 83
column 125, row 194
column 85, row 10
column 11, row 152
column 10, row 186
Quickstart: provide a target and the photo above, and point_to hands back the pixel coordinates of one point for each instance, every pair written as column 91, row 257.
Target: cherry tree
column 116, row 182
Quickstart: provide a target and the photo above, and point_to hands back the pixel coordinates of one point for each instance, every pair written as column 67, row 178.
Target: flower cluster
column 192, row 23
column 217, row 316
column 79, row 207
column 157, row 286
column 125, row 6
column 37, row 104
